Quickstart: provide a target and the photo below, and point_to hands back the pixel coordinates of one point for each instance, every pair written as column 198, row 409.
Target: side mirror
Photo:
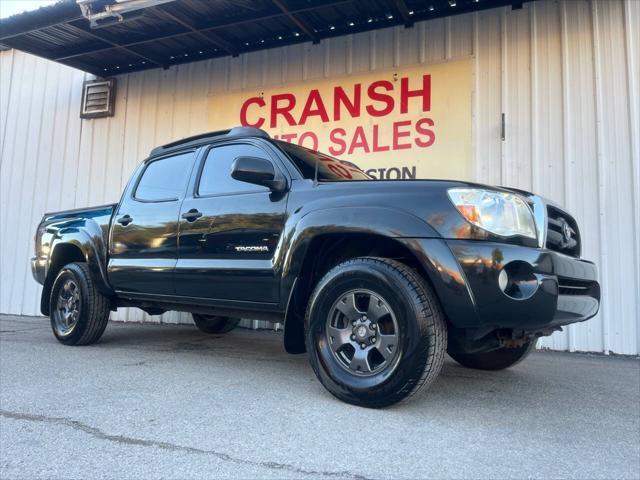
column 259, row 171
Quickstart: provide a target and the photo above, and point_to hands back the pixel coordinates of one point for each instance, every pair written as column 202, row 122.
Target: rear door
column 143, row 244
column 229, row 230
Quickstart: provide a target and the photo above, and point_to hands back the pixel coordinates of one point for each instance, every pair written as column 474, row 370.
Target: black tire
column 496, row 359
column 214, row 324
column 412, row 308
column 88, row 320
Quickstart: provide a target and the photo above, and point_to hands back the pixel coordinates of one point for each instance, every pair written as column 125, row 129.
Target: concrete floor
column 166, row 401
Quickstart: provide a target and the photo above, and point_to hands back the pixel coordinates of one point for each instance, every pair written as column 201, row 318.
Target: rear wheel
column 214, row 324
column 374, row 331
column 496, row 359
column 78, row 311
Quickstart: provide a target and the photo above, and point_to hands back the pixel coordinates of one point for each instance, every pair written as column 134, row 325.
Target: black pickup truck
column 376, row 280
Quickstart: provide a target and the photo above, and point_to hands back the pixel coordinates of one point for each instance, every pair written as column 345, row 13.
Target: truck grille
column 562, row 232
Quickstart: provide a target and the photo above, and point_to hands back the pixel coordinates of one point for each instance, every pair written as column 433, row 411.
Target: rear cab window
column 165, row 179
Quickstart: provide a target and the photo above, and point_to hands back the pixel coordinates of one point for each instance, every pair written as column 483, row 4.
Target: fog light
column 518, row 281
column 503, row 280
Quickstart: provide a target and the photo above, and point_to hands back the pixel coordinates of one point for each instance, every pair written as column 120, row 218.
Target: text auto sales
column 375, row 100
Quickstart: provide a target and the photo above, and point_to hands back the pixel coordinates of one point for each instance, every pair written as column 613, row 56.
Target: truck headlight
column 502, row 213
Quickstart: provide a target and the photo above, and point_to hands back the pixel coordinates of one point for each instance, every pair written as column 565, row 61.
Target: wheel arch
column 75, row 246
column 305, row 228
column 323, row 252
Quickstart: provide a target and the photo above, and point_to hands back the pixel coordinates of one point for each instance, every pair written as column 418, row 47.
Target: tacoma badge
column 252, row 248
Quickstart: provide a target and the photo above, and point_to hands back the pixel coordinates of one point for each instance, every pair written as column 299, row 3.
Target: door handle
column 125, row 220
column 192, row 215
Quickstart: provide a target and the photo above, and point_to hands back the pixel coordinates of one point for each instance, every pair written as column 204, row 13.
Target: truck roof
column 196, row 140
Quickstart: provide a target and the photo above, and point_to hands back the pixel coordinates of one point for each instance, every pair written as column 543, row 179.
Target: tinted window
column 165, row 179
column 330, row 169
column 216, row 175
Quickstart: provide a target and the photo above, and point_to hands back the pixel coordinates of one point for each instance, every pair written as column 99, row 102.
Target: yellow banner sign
column 406, row 123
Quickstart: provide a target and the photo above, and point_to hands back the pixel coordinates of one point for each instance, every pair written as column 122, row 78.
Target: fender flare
column 381, row 221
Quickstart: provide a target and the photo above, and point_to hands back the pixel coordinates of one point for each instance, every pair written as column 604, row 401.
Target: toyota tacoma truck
column 375, row 280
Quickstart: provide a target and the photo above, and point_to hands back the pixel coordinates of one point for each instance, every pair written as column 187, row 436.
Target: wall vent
column 98, row 98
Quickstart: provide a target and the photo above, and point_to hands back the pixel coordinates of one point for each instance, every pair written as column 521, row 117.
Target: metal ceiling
column 189, row 30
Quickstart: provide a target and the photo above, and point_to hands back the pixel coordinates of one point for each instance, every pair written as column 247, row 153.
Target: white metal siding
column 566, row 75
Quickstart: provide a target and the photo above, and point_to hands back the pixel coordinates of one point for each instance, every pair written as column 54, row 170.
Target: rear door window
column 165, row 179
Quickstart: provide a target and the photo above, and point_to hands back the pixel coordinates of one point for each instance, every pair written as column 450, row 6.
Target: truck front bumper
column 540, row 290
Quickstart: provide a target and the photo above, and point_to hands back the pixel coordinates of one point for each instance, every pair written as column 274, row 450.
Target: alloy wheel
column 362, row 333
column 67, row 308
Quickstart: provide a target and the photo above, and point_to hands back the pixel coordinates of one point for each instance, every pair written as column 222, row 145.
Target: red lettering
column 336, row 137
column 380, row 97
column 312, row 136
column 243, row 112
column 341, row 98
column 288, row 137
column 398, row 134
column 359, row 141
column 309, row 111
column 426, row 131
column 424, row 92
column 376, row 146
column 282, row 110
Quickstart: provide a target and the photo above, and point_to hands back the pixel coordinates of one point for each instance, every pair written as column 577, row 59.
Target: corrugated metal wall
column 566, row 75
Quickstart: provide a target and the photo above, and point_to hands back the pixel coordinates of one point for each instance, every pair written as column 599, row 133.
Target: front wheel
column 496, row 359
column 214, row 324
column 374, row 331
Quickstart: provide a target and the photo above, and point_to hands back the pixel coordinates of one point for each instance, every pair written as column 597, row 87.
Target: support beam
column 208, row 37
column 308, row 31
column 87, row 31
column 94, row 47
column 402, row 9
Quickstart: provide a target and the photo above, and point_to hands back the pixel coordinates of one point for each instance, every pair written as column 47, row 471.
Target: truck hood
column 425, row 199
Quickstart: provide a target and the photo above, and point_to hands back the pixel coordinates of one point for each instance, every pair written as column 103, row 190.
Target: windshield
column 330, row 169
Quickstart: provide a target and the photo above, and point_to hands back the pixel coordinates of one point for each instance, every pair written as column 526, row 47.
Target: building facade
column 554, row 109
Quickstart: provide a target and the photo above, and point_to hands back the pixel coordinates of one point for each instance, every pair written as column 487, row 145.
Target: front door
column 144, row 234
column 228, row 232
